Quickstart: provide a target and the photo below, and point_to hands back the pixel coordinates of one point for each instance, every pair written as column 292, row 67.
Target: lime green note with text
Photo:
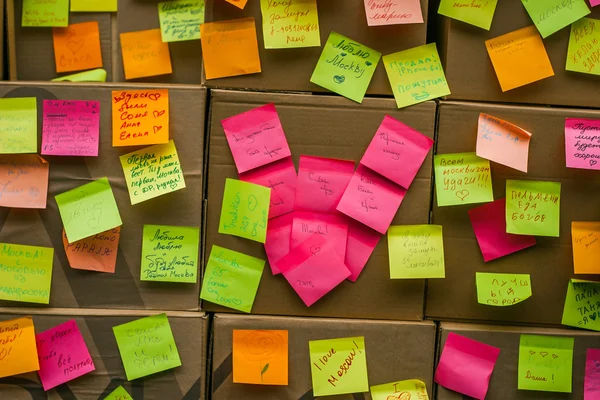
column 26, row 274
column 18, row 125
column 550, row 16
column 245, row 210
column 502, row 289
column 119, row 394
column 462, row 178
column 545, row 363
column 410, row 389
column 582, row 305
column 416, row 251
column 180, row 20
column 584, row 47
column 533, row 208
column 290, row 24
column 45, row 13
column 475, row 12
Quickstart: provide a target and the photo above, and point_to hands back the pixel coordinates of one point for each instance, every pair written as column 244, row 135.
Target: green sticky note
column 416, row 251
column 231, row 279
column 533, row 208
column 245, row 210
column 401, row 390
column 550, row 16
column 584, row 45
column 502, row 289
column 88, row 210
column 338, row 366
column 582, row 305
column 545, row 363
column 345, row 67
column 180, row 20
column 45, row 13
column 95, row 75
column 462, row 178
column 475, row 12
column 94, row 5
column 25, row 273
column 416, row 75
column 18, row 125
column 170, row 253
column 290, row 24
column 119, row 394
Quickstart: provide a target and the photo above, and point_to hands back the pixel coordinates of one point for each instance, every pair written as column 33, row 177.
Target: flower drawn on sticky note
column 260, row 357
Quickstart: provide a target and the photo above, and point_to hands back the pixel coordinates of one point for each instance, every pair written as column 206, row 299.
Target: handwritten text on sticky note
column 545, row 363
column 71, row 128
column 145, row 54
column 502, row 142
column 584, row 45
column 533, row 208
column 586, row 247
column 45, row 13
column 77, row 47
column 18, row 125
column 25, row 273
column 18, row 352
column 401, row 390
column 582, row 143
column 502, row 289
column 180, row 20
column 140, row 117
column 23, row 181
column 550, row 16
column 386, row 12
column 462, row 178
column 94, row 253
column 416, row 251
column 245, row 210
column 475, row 12
column 582, row 305
column 290, row 24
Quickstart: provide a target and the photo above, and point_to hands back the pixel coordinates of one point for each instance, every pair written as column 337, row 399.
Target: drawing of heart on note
column 462, row 178
column 462, row 194
column 157, row 128
column 75, row 45
column 158, row 113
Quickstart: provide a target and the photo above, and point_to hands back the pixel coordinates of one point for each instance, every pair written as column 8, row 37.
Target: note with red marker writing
column 386, row 12
column 140, row 117
column 592, row 375
column 71, row 128
column 23, row 181
column 94, row 253
column 582, row 143
column 332, row 227
column 502, row 142
column 17, row 346
column 279, row 233
column 77, row 47
column 361, row 242
column 462, row 178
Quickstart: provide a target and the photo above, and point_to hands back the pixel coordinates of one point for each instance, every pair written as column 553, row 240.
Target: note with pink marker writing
column 502, row 142
column 582, row 143
column 71, row 128
column 591, row 389
column 332, row 227
column 279, row 233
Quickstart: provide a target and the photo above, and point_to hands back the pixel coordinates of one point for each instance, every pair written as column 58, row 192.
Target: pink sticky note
column 594, row 3
column 333, row 228
column 361, row 242
column 71, row 128
column 281, row 177
column 582, row 143
column 503, row 142
column 63, row 355
column 279, row 233
column 489, row 225
column 321, row 183
column 256, row 138
column 371, row 199
column 388, row 12
column 466, row 366
column 592, row 375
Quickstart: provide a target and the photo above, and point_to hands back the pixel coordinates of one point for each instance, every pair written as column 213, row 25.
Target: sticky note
column 416, row 251
column 245, row 210
column 545, row 363
column 519, row 58
column 333, row 229
column 279, row 234
column 385, row 12
column 25, row 273
column 71, row 128
column 462, row 178
column 95, row 75
column 94, row 5
column 533, row 208
column 591, row 389
column 17, row 347
column 95, row 253
column 466, row 365
column 290, row 24
column 222, row 39
column 46, row 13
column 361, row 242
column 63, row 355
column 18, row 125
column 119, row 394
column 330, row 369
column 416, row 75
column 147, row 346
column 550, row 16
column 231, row 279
column 581, row 305
column 594, row 3
column 475, row 12
column 238, row 3
column 180, row 20
column 170, row 253
column 584, row 47
column 140, row 117
column 586, row 247
column 88, row 210
column 145, row 54
column 256, row 138
column 502, row 289
column 401, row 390
column 397, row 151
column 23, row 181
column 152, row 171
column 345, row 67
column 581, row 143
column 77, row 47
column 260, row 357
column 502, row 142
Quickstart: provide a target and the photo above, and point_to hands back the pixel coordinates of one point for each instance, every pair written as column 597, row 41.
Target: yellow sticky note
column 260, row 357
column 18, row 125
column 95, row 75
column 288, row 24
column 45, row 13
column 25, row 273
column 411, row 389
column 584, row 47
column 18, row 351
column 94, row 5
column 586, row 247
column 502, row 289
column 416, row 251
column 145, row 54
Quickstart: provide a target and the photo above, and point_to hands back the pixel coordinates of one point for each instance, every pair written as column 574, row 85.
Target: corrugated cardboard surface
column 187, row 382
column 550, row 262
column 471, row 75
column 291, row 69
column 395, row 351
column 335, row 127
column 123, row 289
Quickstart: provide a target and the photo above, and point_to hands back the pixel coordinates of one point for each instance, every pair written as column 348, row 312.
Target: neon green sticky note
column 231, row 279
column 88, row 209
column 550, row 16
column 462, row 178
column 502, row 289
column 94, row 5
column 582, row 305
column 45, row 13
column 584, row 45
column 338, row 366
column 170, row 253
column 345, row 67
column 146, row 346
column 18, row 125
column 416, row 75
column 475, row 12
column 180, row 20
column 545, row 363
column 152, row 172
column 119, row 394
column 416, row 251
column 533, row 208
column 290, row 24
column 94, row 75
column 401, row 390
column 25, row 273
column 245, row 210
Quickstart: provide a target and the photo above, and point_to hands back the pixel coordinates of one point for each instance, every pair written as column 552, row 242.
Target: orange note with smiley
column 77, row 47
column 260, row 357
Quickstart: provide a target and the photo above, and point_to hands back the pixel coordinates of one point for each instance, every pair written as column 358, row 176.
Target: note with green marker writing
column 550, row 16
column 45, row 13
column 582, row 305
column 416, row 251
column 533, row 208
column 401, row 390
column 462, row 178
column 27, row 273
column 475, row 12
column 18, row 125
column 546, row 363
column 584, row 45
column 245, row 210
column 119, row 394
column 502, row 289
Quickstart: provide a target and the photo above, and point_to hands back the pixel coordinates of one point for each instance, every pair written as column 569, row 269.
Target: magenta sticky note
column 256, row 138
column 591, row 389
column 466, row 366
column 361, row 242
column 321, row 183
column 489, row 225
column 63, row 355
column 71, row 128
column 594, row 3
column 281, row 177
column 333, row 228
column 279, row 234
column 582, row 143
column 397, row 151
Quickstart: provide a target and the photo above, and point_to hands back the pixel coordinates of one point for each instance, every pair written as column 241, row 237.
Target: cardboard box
column 395, row 350
column 326, row 126
column 186, row 382
column 123, row 289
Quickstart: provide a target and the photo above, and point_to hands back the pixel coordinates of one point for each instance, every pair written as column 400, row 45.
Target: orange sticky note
column 586, row 247
column 503, row 142
column 23, row 181
column 230, row 48
column 238, row 3
column 260, row 357
column 77, row 47
column 18, row 351
column 519, row 58
column 94, row 253
column 145, row 54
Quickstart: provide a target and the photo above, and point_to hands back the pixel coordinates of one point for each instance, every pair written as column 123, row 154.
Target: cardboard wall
column 395, row 351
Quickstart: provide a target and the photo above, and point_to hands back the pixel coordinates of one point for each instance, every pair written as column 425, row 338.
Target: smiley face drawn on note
column 462, row 194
